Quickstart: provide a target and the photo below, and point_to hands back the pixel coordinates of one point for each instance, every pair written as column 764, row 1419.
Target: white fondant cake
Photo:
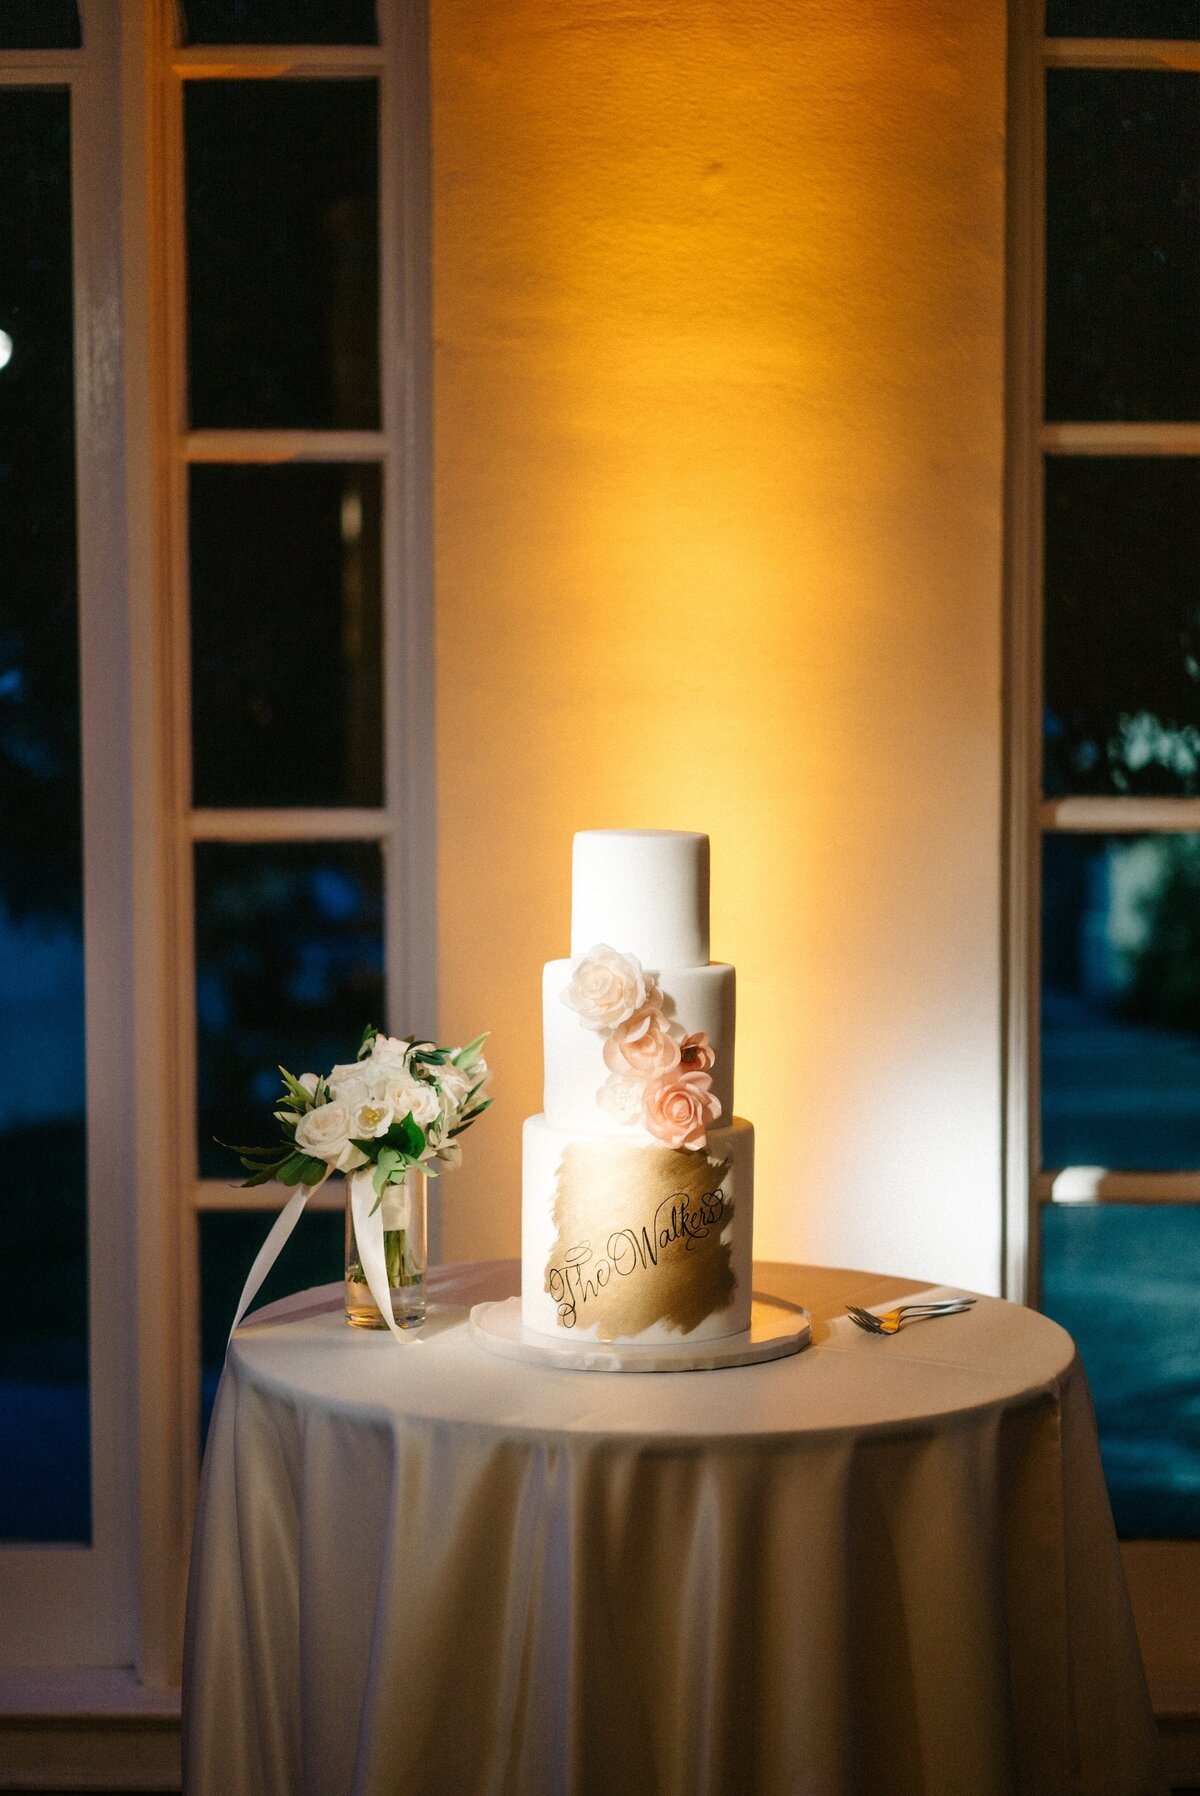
column 638, row 1193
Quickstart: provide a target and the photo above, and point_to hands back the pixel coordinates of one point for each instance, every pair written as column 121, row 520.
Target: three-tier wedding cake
column 638, row 1199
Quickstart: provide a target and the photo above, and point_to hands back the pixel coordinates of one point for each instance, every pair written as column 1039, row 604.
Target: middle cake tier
column 697, row 999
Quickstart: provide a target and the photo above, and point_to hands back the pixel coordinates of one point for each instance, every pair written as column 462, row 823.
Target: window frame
column 404, row 825
column 74, row 1600
column 133, row 454
column 1164, row 1575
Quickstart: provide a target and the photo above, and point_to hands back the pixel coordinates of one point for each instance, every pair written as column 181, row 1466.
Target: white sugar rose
column 326, row 1133
column 642, row 1046
column 622, row 1098
column 411, row 1097
column 606, row 987
column 679, row 1108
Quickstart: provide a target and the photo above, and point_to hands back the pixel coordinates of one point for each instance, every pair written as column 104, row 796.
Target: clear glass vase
column 405, row 1251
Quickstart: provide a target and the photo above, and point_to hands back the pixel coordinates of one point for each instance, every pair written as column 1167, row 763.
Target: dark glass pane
column 1122, row 244
column 229, row 1240
column 280, row 22
column 289, row 969
column 44, row 1437
column 1121, row 1001
column 286, row 648
column 39, row 25
column 1123, row 18
column 1122, row 1279
column 1122, row 625
column 283, row 259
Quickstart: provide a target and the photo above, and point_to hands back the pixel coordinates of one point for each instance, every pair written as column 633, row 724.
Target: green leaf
column 407, row 1135
column 261, row 1177
column 472, row 1048
column 368, row 1038
column 313, row 1172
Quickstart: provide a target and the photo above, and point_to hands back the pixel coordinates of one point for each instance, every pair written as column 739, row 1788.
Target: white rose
column 350, row 1093
column 389, row 1056
column 372, row 1118
column 410, row 1096
column 310, row 1083
column 326, row 1133
column 606, row 987
column 622, row 1097
column 455, row 1084
column 348, row 1071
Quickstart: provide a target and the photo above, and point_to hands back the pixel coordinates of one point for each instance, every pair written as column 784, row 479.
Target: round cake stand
column 776, row 1329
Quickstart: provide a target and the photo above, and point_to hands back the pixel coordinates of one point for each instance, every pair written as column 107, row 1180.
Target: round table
column 879, row 1564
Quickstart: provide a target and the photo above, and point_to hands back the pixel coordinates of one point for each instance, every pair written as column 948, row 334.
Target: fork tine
column 865, row 1320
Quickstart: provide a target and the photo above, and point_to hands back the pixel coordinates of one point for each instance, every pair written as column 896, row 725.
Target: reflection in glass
column 1123, row 18
column 289, row 969
column 280, row 22
column 1122, row 609
column 286, row 645
column 44, row 1434
column 39, row 25
column 282, row 254
column 229, row 1240
column 1122, row 244
column 1120, row 1045
column 1122, row 1279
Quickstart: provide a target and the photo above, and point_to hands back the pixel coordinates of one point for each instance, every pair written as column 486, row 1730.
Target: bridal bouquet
column 389, row 1119
column 400, row 1104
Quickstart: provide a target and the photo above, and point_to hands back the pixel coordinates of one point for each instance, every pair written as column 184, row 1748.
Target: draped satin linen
column 879, row 1564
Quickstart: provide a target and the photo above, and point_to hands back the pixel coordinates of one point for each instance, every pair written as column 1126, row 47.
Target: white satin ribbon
column 368, row 1232
column 272, row 1247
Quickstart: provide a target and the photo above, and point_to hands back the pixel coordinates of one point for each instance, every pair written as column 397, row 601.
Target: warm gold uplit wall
column 718, row 294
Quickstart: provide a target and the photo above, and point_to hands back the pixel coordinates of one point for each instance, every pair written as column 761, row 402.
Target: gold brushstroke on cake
column 638, row 1238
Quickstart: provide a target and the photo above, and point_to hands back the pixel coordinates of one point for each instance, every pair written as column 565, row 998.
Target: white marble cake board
column 776, row 1329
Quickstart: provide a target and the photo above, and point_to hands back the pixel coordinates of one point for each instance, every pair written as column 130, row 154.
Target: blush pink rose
column 642, row 1047
column 679, row 1107
column 606, row 987
column 696, row 1054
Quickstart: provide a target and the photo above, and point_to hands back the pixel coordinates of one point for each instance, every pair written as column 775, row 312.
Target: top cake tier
column 643, row 892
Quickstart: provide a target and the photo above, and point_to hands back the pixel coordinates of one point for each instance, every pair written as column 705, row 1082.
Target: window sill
column 94, row 1730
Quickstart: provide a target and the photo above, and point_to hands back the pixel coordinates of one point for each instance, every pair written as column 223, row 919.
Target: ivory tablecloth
column 879, row 1565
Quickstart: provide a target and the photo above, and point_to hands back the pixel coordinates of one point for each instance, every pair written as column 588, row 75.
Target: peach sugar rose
column 678, row 1108
column 696, row 1054
column 642, row 1047
column 606, row 988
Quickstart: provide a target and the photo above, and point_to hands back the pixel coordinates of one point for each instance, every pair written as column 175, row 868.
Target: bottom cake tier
column 622, row 1241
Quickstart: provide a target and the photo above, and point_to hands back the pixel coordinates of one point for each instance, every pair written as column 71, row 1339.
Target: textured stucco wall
column 718, row 297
